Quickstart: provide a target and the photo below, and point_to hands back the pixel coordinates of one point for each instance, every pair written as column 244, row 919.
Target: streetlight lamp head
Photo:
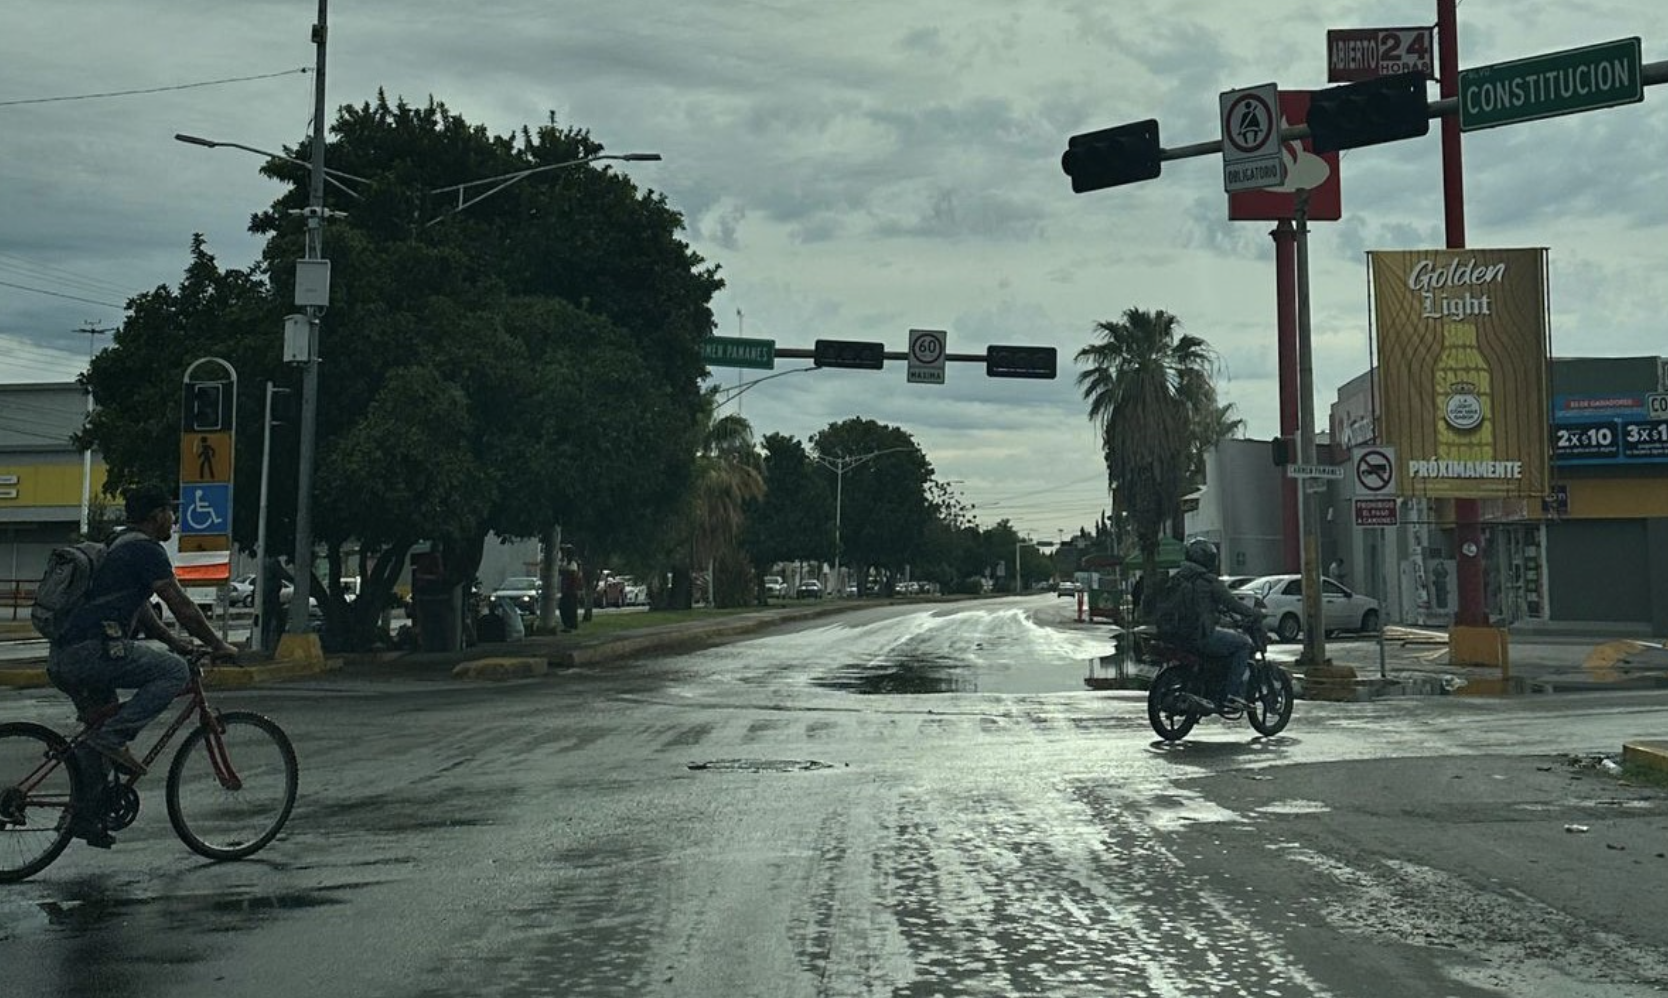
column 194, row 140
column 641, row 157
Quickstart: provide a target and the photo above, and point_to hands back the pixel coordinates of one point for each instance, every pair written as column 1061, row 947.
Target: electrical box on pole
column 1113, row 156
column 856, row 354
column 1383, row 109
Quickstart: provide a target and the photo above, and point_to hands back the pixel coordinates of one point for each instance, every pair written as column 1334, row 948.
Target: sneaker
column 120, row 757
column 92, row 833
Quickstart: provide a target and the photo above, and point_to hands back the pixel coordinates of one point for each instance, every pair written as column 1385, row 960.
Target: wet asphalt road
column 753, row 820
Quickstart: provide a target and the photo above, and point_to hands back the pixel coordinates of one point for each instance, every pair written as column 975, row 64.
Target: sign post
column 208, row 433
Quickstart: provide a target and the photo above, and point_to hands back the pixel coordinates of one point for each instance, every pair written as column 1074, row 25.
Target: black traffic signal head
column 1362, row 114
column 1113, row 156
column 1019, row 362
column 850, row 354
column 1280, row 448
column 205, row 407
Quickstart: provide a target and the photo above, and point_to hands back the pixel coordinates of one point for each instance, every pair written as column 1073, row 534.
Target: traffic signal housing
column 1382, row 109
column 205, row 407
column 1113, row 156
column 1019, row 362
column 1281, row 450
column 856, row 354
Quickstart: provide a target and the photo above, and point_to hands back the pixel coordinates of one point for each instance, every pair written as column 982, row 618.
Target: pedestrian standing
column 568, row 584
column 1335, row 571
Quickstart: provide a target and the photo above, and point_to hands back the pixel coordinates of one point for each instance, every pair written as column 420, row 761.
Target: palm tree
column 1212, row 424
column 727, row 476
column 1147, row 385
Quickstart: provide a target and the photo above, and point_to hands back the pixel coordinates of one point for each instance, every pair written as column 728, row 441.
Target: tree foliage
column 529, row 360
column 1149, row 389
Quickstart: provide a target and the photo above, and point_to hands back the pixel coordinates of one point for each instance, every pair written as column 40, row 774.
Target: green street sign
column 736, row 351
column 1545, row 86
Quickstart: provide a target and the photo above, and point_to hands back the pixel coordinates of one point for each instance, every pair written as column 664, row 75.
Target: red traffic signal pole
column 1468, row 527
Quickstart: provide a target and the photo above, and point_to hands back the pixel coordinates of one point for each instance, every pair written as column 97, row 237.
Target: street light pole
column 841, row 465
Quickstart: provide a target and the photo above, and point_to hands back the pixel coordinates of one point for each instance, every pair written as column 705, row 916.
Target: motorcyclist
column 1196, row 598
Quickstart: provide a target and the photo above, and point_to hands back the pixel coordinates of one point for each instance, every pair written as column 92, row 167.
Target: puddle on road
column 927, row 674
column 217, row 912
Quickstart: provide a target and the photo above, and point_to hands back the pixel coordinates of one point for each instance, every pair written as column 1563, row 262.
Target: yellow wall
column 47, row 484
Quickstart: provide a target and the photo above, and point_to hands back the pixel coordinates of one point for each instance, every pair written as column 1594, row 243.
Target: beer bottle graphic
column 1465, row 408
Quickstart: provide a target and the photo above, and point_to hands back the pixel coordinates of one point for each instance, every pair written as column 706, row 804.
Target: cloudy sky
column 857, row 169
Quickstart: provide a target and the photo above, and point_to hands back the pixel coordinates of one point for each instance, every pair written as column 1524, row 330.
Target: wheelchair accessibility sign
column 205, row 508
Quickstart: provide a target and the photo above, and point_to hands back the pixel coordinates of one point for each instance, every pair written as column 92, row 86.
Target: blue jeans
column 1236, row 648
column 91, row 677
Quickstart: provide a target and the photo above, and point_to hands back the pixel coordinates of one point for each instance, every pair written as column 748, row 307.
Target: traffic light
column 850, row 354
column 283, row 407
column 1112, row 156
column 1019, row 362
column 205, row 410
column 1281, row 449
column 1382, row 109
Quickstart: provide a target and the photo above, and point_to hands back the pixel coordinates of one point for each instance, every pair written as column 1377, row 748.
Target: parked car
column 809, row 589
column 775, row 587
column 241, row 591
column 523, row 591
column 1282, row 596
column 1067, row 587
column 610, row 590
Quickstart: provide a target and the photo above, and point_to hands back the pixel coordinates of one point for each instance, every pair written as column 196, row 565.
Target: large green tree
column 789, row 521
column 1147, row 384
column 528, row 360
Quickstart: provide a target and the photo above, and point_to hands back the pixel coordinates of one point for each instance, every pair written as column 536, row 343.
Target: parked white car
column 1282, row 596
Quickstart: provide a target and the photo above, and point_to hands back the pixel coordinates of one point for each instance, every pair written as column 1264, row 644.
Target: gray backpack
column 1180, row 611
column 64, row 587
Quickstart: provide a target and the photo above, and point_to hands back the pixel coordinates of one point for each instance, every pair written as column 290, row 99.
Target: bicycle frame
column 198, row 705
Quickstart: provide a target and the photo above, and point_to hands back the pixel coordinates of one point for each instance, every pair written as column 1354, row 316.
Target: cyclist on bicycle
column 95, row 655
column 1192, row 601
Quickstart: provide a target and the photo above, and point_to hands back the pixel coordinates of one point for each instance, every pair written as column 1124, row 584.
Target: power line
column 151, row 90
column 60, row 294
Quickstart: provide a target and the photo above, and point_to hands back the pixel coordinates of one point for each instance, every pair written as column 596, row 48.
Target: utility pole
column 314, row 304
column 92, row 333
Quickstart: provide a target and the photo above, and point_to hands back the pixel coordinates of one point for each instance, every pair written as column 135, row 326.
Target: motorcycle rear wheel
column 1171, row 717
column 1270, row 699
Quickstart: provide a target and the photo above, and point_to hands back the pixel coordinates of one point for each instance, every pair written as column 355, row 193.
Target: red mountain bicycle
column 230, row 788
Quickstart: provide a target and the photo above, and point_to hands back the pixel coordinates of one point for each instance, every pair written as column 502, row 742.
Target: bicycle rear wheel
column 230, row 791
column 38, row 784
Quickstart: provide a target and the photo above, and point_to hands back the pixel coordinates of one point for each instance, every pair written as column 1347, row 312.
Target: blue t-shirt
column 126, row 579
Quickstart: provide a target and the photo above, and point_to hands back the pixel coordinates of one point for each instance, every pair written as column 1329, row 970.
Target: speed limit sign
column 926, row 357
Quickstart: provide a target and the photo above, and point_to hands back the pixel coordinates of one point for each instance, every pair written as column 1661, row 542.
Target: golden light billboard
column 1462, row 348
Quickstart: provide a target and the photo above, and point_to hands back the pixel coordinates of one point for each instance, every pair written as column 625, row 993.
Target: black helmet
column 1202, row 553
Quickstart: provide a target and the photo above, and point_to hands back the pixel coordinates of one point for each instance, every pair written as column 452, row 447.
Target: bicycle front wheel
column 232, row 786
column 38, row 783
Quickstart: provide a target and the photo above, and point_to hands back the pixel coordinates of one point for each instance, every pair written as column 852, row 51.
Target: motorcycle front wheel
column 1270, row 699
column 1171, row 716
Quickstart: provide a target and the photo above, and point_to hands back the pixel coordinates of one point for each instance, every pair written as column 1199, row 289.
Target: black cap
column 143, row 500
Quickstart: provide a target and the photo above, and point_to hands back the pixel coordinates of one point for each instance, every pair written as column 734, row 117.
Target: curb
column 1651, row 754
column 224, row 677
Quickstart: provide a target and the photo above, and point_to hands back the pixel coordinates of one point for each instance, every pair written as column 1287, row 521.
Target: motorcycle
column 1188, row 684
